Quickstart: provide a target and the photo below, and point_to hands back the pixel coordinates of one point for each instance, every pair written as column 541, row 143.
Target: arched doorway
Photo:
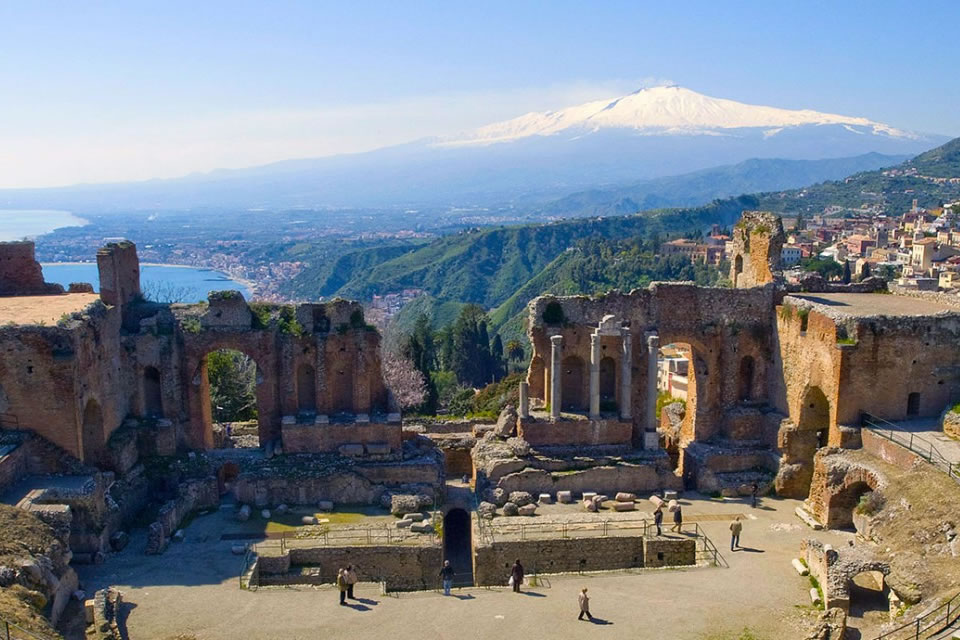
column 341, row 389
column 92, row 431
column 840, row 506
column 571, row 393
column 869, row 596
column 737, row 270
column 229, row 396
column 745, row 379
column 458, row 546
column 306, row 389
column 608, row 384
column 814, row 420
column 913, row 404
column 152, row 393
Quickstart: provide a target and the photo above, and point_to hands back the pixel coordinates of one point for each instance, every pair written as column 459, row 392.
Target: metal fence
column 929, row 624
column 11, row 631
column 913, row 442
column 280, row 541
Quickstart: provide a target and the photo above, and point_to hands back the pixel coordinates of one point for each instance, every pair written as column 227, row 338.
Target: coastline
column 250, row 285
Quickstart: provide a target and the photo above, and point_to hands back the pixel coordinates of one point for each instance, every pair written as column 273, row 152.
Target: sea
column 157, row 281
column 17, row 224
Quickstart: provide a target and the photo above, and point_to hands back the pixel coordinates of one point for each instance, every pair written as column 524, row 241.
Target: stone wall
column 193, row 496
column 402, row 568
column 20, row 273
column 838, row 484
column 308, row 438
column 757, row 240
column 492, row 561
column 888, row 451
column 575, row 432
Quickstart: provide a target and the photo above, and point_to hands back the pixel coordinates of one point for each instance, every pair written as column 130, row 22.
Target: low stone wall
column 321, row 438
column 194, row 495
column 610, row 479
column 492, row 561
column 402, row 568
column 570, row 433
column 888, row 451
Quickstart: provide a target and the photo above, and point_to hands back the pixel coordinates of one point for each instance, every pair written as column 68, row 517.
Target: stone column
column 555, row 375
column 594, row 376
column 653, row 352
column 626, row 374
column 524, row 400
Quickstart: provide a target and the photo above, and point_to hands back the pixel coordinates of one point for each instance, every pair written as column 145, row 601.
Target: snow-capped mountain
column 665, row 110
column 652, row 133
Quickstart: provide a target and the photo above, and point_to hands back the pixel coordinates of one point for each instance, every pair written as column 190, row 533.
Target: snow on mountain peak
column 660, row 110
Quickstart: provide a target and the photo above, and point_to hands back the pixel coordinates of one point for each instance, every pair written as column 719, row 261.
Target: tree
column 470, row 347
column 420, row 352
column 515, row 350
column 496, row 355
column 846, row 272
column 865, row 271
column 233, row 381
column 409, row 386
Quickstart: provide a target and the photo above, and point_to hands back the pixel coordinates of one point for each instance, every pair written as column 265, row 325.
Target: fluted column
column 653, row 353
column 594, row 376
column 555, row 375
column 524, row 399
column 626, row 375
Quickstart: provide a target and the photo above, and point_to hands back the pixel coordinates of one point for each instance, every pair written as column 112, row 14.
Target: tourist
column 351, row 579
column 584, row 600
column 342, row 585
column 446, row 574
column 735, row 528
column 516, row 576
column 658, row 518
column 754, row 489
column 677, row 519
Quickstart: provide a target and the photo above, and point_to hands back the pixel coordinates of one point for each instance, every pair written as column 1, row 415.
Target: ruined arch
column 608, row 380
column 841, row 505
column 913, row 404
column 306, row 389
column 702, row 400
column 92, row 430
column 745, row 379
column 458, row 546
column 572, row 382
column 202, row 410
column 737, row 269
column 814, row 416
column 152, row 393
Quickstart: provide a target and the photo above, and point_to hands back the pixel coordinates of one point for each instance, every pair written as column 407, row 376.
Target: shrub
column 870, row 503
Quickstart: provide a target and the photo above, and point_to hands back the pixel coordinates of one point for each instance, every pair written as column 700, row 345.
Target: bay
column 161, row 282
column 17, row 224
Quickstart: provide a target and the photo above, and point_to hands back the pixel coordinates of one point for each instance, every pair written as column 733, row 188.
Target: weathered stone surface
column 351, row 450
column 624, row 496
column 527, row 510
column 624, row 506
column 520, row 498
column 403, row 523
column 831, row 625
column 265, row 514
column 544, row 498
column 507, row 423
column 486, row 510
column 119, row 540
column 590, row 505
column 510, row 509
column 564, row 497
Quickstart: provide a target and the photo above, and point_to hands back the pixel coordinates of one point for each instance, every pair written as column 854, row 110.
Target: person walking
column 735, row 528
column 351, row 579
column 754, row 490
column 446, row 575
column 584, row 601
column 677, row 519
column 658, row 518
column 342, row 585
column 516, row 574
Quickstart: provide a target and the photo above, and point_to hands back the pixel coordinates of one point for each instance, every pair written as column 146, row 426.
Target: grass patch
column 745, row 634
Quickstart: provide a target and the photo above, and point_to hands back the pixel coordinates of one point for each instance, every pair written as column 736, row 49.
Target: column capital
column 556, row 340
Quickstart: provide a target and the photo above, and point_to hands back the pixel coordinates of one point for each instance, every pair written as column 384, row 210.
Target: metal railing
column 927, row 625
column 357, row 536
column 915, row 443
column 12, row 631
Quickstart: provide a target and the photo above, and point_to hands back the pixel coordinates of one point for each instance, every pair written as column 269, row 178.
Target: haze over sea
column 156, row 280
column 17, row 224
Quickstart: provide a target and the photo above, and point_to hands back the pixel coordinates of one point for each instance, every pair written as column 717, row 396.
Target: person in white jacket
column 584, row 601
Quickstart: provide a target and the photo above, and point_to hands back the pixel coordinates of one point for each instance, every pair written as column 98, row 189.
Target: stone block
column 88, row 610
column 119, row 540
column 288, row 420
column 669, row 495
column 243, row 514
column 623, row 496
column 325, row 505
column 651, row 440
column 510, row 509
column 527, row 510
column 808, row 519
column 422, row 527
column 321, row 418
column 544, row 498
column 362, row 418
column 799, row 567
column 393, row 418
column 624, row 506
column 564, row 497
column 814, row 596
column 265, row 514
column 238, row 549
column 351, row 450
column 600, row 499
column 590, row 505
column 403, row 524
column 520, row 498
column 378, row 448
column 415, row 517
column 657, row 501
column 589, row 495
column 309, row 519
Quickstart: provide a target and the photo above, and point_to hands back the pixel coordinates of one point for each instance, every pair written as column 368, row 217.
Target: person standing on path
column 342, row 585
column 446, row 575
column 351, row 579
column 735, row 528
column 516, row 573
column 658, row 518
column 677, row 519
column 754, row 489
column 584, row 601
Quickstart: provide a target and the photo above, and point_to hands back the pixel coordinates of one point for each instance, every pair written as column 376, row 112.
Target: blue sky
column 116, row 91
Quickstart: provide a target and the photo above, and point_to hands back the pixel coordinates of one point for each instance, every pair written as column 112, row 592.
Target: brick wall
column 318, row 438
column 575, row 432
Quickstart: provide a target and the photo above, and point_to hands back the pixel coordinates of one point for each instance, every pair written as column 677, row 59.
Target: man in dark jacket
column 658, row 518
column 446, row 575
column 517, row 574
column 677, row 519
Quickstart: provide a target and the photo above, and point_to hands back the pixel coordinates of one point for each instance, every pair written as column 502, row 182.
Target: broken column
column 594, row 376
column 626, row 374
column 555, row 375
column 653, row 352
column 524, row 400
